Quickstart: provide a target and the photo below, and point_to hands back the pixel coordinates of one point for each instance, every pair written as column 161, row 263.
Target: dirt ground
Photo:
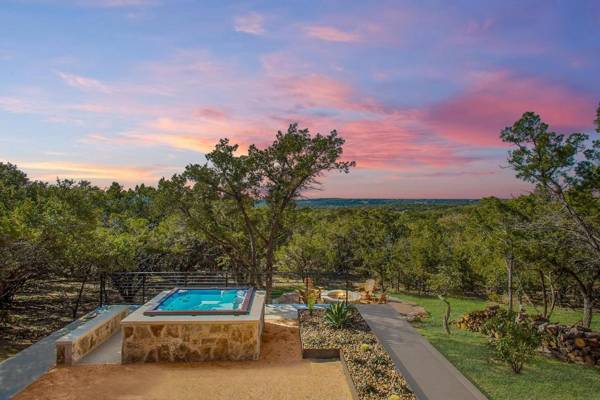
column 38, row 310
column 280, row 374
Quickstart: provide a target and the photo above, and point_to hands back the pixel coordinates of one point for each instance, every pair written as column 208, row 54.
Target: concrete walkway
column 18, row 372
column 428, row 373
column 286, row 311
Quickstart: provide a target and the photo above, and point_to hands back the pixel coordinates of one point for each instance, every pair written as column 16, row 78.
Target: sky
column 134, row 90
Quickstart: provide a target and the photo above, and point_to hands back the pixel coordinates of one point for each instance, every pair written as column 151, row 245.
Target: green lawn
column 542, row 378
column 279, row 290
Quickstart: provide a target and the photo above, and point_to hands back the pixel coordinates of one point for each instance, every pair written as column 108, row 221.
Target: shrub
column 310, row 303
column 338, row 315
column 514, row 342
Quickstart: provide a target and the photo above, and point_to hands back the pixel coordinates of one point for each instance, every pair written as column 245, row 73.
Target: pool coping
column 138, row 318
column 241, row 311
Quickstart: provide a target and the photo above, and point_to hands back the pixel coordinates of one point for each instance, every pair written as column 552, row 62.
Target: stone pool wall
column 191, row 342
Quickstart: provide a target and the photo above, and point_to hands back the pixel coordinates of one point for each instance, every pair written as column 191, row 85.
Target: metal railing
column 138, row 287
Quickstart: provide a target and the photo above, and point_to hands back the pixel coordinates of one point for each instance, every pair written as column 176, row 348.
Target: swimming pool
column 213, row 301
column 190, row 324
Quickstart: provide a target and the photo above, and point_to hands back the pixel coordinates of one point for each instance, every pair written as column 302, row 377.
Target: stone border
column 244, row 307
column 330, row 354
column 73, row 346
column 187, row 338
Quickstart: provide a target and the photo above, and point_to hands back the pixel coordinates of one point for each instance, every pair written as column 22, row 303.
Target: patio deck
column 281, row 373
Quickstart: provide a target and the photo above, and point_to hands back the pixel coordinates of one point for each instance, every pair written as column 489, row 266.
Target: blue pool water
column 203, row 300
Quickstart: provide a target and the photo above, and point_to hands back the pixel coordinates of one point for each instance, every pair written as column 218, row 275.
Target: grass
column 542, row 378
column 279, row 290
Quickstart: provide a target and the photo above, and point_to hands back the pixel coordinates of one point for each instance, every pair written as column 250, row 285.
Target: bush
column 338, row 315
column 310, row 303
column 514, row 342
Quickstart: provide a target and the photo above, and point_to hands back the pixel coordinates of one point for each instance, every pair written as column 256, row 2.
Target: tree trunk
column 544, row 294
column 509, row 267
column 75, row 307
column 552, row 299
column 382, row 277
column 587, row 309
column 446, row 319
column 269, row 274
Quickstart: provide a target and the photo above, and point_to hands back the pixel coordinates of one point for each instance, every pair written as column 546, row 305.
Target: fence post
column 226, row 279
column 347, row 284
column 101, row 289
column 143, row 288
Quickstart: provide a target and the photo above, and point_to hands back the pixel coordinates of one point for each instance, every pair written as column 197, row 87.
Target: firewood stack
column 571, row 343
column 475, row 320
column 567, row 343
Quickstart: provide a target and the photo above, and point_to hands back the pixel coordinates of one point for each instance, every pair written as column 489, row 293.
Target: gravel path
column 370, row 366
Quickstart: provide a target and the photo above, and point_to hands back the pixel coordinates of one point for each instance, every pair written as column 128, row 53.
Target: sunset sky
column 133, row 90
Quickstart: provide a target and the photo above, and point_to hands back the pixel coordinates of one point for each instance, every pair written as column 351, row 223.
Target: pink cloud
column 50, row 170
column 113, row 3
column 330, row 34
column 198, row 132
column 396, row 143
column 496, row 100
column 210, row 112
column 314, row 90
column 84, row 83
column 251, row 23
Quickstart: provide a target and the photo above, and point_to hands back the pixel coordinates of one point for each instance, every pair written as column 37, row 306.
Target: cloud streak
column 84, row 83
column 251, row 23
column 330, row 34
column 494, row 100
column 50, row 170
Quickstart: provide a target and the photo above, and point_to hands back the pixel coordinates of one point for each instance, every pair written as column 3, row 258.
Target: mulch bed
column 370, row 367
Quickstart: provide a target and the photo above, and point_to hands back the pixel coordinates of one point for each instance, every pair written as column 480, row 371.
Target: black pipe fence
column 138, row 287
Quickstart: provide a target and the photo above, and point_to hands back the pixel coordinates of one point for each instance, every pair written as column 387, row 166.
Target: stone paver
column 285, row 311
column 428, row 373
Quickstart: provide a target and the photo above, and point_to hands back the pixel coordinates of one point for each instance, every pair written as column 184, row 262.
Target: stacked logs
column 475, row 320
column 571, row 343
column 567, row 343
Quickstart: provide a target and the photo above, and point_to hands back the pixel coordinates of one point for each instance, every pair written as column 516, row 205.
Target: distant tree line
column 238, row 212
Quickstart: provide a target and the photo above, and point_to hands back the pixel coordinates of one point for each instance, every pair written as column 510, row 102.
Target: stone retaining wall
column 73, row 346
column 191, row 342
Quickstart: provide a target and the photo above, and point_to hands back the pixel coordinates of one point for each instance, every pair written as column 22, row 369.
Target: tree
column 567, row 169
column 598, row 119
column 241, row 202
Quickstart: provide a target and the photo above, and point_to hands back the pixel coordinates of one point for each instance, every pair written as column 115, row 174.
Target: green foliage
column 470, row 353
column 597, row 121
column 514, row 342
column 243, row 203
column 338, row 315
column 566, row 172
column 310, row 302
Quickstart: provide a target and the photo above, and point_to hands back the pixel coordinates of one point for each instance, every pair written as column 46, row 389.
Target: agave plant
column 338, row 315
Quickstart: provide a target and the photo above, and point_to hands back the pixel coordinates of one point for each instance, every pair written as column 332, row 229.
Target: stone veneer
column 192, row 338
column 74, row 345
column 191, row 342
